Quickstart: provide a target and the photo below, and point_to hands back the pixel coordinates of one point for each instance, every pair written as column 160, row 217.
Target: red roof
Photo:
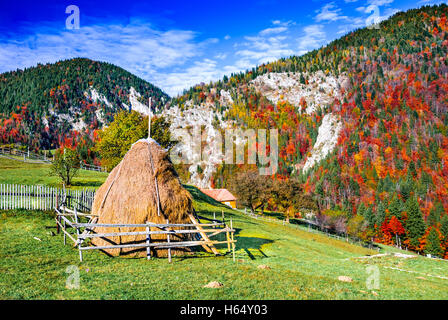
column 220, row 195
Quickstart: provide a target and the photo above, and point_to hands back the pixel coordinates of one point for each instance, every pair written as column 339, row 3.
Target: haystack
column 129, row 196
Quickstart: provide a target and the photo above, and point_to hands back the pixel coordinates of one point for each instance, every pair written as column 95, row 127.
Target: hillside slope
column 42, row 105
column 363, row 123
column 303, row 265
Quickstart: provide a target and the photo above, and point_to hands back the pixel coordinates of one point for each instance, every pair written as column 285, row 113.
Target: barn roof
column 220, row 195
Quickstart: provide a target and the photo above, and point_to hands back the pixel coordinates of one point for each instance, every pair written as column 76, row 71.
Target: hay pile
column 129, row 197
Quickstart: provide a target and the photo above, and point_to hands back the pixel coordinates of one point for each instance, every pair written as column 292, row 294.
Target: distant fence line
column 311, row 226
column 27, row 155
column 39, row 158
column 39, row 197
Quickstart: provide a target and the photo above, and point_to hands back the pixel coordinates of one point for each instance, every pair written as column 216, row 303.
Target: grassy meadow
column 303, row 265
column 18, row 172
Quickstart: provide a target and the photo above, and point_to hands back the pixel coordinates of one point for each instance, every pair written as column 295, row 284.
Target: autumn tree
column 397, row 229
column 290, row 198
column 357, row 227
column 65, row 165
column 252, row 190
column 126, row 129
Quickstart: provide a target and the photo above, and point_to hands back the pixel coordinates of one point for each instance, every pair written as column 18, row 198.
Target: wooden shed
column 221, row 195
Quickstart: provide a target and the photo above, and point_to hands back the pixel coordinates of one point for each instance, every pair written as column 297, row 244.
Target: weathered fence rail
column 69, row 220
column 26, row 155
column 91, row 167
column 39, row 197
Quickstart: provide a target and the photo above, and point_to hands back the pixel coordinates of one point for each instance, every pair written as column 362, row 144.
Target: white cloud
column 204, row 70
column 379, row 3
column 221, row 56
column 330, row 12
column 273, row 30
column 314, row 37
column 268, row 45
column 140, row 49
column 261, row 49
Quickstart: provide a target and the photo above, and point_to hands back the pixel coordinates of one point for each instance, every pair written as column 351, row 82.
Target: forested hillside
column 42, row 106
column 363, row 123
column 386, row 174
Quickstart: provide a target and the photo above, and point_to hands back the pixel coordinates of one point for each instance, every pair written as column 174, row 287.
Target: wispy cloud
column 330, row 12
column 177, row 59
column 268, row 45
column 138, row 48
column 314, row 37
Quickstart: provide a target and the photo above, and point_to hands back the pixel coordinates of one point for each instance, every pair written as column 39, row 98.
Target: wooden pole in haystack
column 151, row 160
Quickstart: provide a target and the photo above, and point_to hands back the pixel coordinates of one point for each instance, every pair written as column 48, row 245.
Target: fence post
column 148, row 241
column 77, row 234
column 168, row 240
column 64, row 230
column 233, row 243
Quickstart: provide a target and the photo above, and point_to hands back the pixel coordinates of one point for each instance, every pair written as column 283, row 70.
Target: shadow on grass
column 90, row 183
column 277, row 215
column 251, row 244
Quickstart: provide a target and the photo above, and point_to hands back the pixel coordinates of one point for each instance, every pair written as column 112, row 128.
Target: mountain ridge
column 391, row 150
column 51, row 100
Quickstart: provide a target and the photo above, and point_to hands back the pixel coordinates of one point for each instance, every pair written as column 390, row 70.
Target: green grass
column 18, row 172
column 303, row 265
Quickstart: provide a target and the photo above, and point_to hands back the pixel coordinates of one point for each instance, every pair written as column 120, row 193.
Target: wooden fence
column 39, row 197
column 28, row 156
column 69, row 222
column 91, row 167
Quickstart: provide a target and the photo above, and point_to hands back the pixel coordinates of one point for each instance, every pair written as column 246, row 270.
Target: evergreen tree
column 444, row 227
column 395, row 207
column 370, row 217
column 361, row 209
column 415, row 226
column 434, row 214
column 380, row 213
column 433, row 244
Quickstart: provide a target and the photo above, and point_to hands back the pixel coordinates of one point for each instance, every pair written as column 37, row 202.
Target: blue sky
column 176, row 44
